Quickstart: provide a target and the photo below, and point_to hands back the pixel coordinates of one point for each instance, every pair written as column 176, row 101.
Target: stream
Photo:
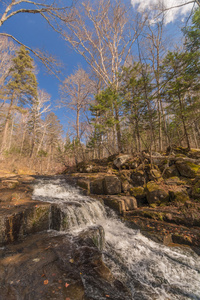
column 150, row 270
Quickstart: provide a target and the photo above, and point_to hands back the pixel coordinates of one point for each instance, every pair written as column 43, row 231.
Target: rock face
column 97, row 186
column 16, row 225
column 46, row 266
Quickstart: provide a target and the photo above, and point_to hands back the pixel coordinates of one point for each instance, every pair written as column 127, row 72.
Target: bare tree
column 7, row 51
column 37, row 110
column 103, row 32
column 54, row 13
column 76, row 94
column 155, row 50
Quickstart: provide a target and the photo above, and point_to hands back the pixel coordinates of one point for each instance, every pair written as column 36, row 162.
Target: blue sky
column 33, row 31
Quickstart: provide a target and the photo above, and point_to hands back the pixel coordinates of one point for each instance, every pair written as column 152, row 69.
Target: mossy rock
column 195, row 191
column 138, row 178
column 84, row 184
column 174, row 181
column 180, row 196
column 155, row 174
column 156, row 194
column 187, row 169
column 137, row 191
column 171, row 172
column 194, row 153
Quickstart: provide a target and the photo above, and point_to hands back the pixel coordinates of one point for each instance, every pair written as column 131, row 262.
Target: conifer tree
column 21, row 88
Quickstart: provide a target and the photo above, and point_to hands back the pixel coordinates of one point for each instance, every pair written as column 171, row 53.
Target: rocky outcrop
column 109, row 185
column 156, row 194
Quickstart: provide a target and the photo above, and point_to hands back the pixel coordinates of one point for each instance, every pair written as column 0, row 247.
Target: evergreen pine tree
column 21, row 87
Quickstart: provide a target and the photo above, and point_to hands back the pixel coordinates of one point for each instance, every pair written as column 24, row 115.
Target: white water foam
column 151, row 270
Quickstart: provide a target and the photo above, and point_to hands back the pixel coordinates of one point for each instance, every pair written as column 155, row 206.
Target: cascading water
column 150, row 270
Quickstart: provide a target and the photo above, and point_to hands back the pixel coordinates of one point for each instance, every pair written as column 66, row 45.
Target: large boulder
column 112, row 185
column 84, row 184
column 187, row 168
column 156, row 195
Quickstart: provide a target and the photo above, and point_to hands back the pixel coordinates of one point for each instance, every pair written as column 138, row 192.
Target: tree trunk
column 8, row 117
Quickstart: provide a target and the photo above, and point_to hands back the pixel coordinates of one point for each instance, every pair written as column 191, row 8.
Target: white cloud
column 172, row 14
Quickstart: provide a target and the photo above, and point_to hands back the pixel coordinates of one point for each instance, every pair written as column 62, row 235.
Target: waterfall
column 149, row 269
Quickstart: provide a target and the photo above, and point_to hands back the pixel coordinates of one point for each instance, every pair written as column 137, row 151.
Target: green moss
column 65, row 223
column 194, row 167
column 181, row 196
column 153, row 205
column 153, row 215
column 137, row 191
column 152, row 186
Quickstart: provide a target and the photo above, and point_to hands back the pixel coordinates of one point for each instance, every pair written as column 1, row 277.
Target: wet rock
column 182, row 239
column 156, row 194
column 121, row 160
column 112, row 185
column 56, row 217
column 94, row 233
column 46, row 266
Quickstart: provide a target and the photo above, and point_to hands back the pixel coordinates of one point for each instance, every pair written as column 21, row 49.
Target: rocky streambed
column 60, row 244
column 38, row 261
